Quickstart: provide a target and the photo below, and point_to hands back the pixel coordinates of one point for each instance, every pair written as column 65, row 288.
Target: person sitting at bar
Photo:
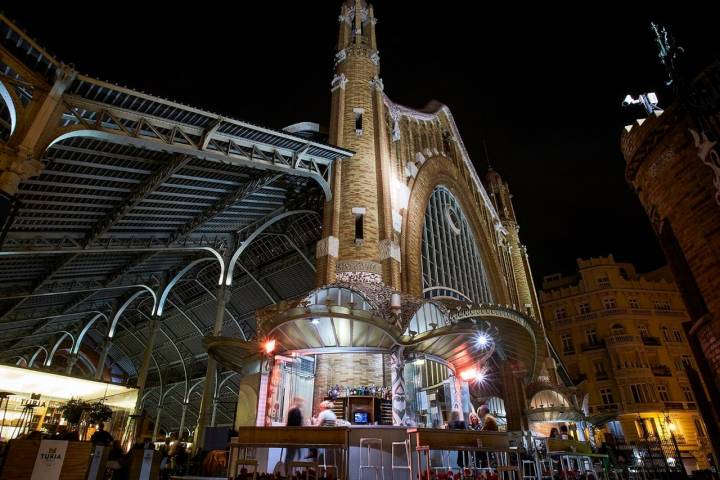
column 564, row 432
column 101, row 437
column 326, row 417
column 474, row 422
column 489, row 424
column 554, row 433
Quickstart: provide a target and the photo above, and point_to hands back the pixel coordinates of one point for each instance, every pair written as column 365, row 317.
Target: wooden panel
column 21, row 456
column 136, row 461
column 77, row 461
column 439, row 439
column 20, row 459
column 289, row 436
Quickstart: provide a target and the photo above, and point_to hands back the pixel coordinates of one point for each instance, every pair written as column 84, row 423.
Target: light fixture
column 269, row 346
column 468, row 374
column 315, row 321
column 483, row 340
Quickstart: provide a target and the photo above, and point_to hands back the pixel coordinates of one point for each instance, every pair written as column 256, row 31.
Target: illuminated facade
column 620, row 336
column 419, row 260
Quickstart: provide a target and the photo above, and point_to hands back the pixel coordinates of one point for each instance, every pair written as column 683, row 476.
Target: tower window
column 358, row 120
column 359, row 214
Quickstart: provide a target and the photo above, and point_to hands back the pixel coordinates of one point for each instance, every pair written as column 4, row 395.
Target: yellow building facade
column 619, row 334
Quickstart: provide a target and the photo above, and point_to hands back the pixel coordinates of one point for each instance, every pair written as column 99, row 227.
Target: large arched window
column 451, row 261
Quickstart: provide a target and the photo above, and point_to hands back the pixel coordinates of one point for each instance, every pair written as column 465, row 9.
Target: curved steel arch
column 175, row 279
column 121, row 310
column 48, row 360
column 255, row 234
column 10, row 104
column 86, row 328
column 37, row 352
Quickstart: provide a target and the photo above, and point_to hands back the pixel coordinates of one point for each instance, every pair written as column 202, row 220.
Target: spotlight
column 482, row 340
column 269, row 346
column 315, row 321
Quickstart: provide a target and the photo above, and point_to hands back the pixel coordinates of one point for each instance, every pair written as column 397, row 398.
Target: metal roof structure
column 139, row 203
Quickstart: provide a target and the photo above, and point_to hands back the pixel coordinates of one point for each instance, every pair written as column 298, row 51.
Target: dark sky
column 542, row 85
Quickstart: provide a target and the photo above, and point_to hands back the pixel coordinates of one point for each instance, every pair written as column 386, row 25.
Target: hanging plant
column 99, row 413
column 73, row 410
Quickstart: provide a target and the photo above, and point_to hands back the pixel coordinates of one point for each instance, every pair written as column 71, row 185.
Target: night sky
column 542, row 86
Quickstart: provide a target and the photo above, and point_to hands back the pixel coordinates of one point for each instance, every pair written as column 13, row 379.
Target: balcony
column 651, row 341
column 661, row 371
column 623, row 339
column 569, row 351
column 640, row 311
column 612, row 311
column 680, row 405
column 598, row 345
column 602, row 376
column 608, row 407
column 670, row 313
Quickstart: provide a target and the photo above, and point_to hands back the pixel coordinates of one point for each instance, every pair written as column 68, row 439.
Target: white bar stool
column 403, row 466
column 371, row 444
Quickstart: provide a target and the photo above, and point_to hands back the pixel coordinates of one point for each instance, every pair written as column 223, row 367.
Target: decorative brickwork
column 667, row 165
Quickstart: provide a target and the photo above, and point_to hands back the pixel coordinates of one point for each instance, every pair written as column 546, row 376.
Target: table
column 336, row 438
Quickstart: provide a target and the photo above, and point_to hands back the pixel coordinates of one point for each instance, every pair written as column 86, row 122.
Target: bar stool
column 306, row 464
column 371, row 444
column 504, row 466
column 242, row 461
column 328, row 466
column 406, row 465
column 529, row 470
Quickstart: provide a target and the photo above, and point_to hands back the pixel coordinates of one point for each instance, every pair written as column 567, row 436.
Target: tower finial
column 487, row 157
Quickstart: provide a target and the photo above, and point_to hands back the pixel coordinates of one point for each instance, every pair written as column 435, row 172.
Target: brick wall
column 350, row 370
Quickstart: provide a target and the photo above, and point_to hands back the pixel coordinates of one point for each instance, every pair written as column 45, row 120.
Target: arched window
column 450, row 253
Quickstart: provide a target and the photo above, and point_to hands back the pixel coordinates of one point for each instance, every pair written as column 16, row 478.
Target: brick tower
column 358, row 230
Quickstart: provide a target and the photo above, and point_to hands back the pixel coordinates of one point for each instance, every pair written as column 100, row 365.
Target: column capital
column 16, row 167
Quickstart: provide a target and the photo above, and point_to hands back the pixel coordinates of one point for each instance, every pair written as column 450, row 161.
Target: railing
column 622, row 339
column 670, row 313
column 597, row 345
column 602, row 376
column 583, row 317
column 606, row 407
column 612, row 311
column 680, row 405
column 640, row 311
column 661, row 371
column 651, row 341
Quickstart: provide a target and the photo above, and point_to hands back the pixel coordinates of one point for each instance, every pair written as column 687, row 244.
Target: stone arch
column 441, row 171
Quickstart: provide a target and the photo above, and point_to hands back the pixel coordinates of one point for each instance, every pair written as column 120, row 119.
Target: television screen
column 360, row 417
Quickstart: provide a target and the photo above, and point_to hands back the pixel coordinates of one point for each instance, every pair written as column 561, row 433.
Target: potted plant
column 99, row 413
column 73, row 410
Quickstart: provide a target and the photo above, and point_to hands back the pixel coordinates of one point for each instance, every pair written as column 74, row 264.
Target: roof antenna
column 487, row 157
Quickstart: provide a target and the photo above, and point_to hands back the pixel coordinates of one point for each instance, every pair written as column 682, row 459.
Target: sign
column 146, row 464
column 95, row 462
column 49, row 460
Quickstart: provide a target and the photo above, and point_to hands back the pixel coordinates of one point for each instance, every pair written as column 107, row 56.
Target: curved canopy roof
column 358, row 317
